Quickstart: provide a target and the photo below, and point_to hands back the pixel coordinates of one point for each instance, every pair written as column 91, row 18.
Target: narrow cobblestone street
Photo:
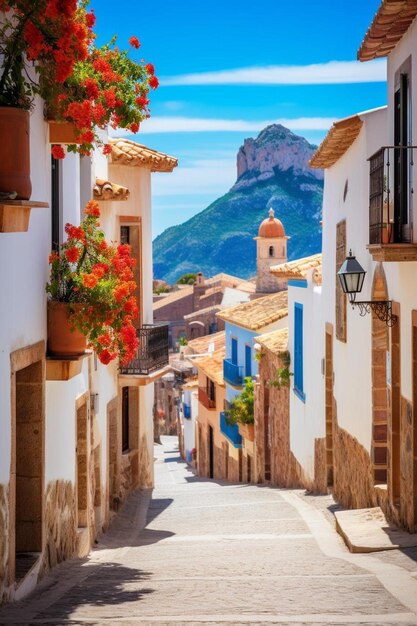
column 214, row 553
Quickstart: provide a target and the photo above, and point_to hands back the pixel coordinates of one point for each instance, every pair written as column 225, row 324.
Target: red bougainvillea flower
column 134, row 42
column 150, row 68
column 92, row 208
column 107, row 149
column 90, row 280
column 134, row 127
column 54, row 256
column 153, row 82
column 74, row 232
column 58, row 152
column 72, row 254
column 105, row 357
column 105, row 339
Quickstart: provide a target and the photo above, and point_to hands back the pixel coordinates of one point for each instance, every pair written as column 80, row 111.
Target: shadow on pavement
column 106, row 584
column 156, row 507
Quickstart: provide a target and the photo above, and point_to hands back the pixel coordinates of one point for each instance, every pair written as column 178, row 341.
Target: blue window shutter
column 234, row 351
column 298, row 347
column 248, row 361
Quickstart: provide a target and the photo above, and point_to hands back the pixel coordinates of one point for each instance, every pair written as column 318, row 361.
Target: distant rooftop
column 200, row 345
column 276, row 341
column 258, row 313
column 297, row 269
column 212, row 366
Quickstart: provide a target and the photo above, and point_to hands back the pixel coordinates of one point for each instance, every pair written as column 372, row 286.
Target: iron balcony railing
column 390, row 194
column 230, row 431
column 187, row 410
column 204, row 398
column 232, row 373
column 152, row 353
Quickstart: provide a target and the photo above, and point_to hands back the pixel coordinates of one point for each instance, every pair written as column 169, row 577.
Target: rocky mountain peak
column 275, row 148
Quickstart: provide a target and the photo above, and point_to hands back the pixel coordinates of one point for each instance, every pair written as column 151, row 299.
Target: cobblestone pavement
column 215, row 553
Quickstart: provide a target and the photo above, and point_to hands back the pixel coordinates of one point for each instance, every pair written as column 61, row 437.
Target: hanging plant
column 241, row 408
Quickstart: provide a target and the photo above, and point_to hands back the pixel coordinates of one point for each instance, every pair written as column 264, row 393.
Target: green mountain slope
column 272, row 172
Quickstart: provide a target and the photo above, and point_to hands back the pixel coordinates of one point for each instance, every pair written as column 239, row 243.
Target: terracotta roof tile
column 126, row 152
column 339, row 138
column 106, row 190
column 191, row 383
column 391, row 22
column 212, row 366
column 200, row 345
column 276, row 341
column 258, row 313
column 297, row 269
column 172, row 297
column 207, row 309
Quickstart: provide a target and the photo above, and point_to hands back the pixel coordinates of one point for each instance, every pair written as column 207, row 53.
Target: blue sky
column 227, row 68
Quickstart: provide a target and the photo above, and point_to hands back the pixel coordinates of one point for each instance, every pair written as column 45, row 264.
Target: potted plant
column 91, row 291
column 40, row 41
column 241, row 411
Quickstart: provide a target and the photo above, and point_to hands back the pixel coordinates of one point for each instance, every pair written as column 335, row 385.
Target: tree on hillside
column 187, row 279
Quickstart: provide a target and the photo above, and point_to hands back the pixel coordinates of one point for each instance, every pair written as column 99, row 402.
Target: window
column 402, row 137
column 340, row 313
column 55, row 204
column 211, row 390
column 125, row 419
column 271, row 251
column 248, row 361
column 234, row 350
column 298, row 351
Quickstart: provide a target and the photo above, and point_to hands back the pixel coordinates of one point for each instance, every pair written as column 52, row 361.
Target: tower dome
column 271, row 226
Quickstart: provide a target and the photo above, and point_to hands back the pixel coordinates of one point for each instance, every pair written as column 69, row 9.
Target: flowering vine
column 91, row 87
column 96, row 280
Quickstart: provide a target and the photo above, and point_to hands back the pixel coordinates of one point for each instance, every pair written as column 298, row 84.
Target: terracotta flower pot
column 15, row 152
column 62, row 132
column 62, row 341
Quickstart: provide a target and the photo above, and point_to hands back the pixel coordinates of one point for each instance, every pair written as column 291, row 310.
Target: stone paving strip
column 206, row 552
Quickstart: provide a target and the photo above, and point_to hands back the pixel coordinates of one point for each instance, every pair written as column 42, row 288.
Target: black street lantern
column 351, row 276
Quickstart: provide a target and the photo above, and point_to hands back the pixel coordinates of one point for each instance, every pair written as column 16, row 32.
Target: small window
column 124, row 234
column 298, row 351
column 125, row 419
column 271, row 251
column 248, row 361
column 234, row 350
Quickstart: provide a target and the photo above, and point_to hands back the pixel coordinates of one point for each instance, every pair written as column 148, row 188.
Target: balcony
column 390, row 204
column 152, row 354
column 232, row 374
column 187, row 410
column 204, row 398
column 231, row 432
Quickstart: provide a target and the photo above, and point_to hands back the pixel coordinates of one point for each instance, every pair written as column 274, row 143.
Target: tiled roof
column 390, row 23
column 126, row 152
column 200, row 345
column 297, row 269
column 207, row 309
column 227, row 280
column 172, row 297
column 212, row 366
column 276, row 341
column 106, row 190
column 339, row 138
column 258, row 313
column 191, row 384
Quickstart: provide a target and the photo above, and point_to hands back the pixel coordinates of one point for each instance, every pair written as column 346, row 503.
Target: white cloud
column 333, row 72
column 197, row 125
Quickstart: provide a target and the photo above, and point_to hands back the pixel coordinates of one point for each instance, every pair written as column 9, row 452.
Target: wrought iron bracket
column 381, row 308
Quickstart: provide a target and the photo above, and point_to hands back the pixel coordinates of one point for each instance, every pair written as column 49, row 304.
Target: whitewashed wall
column 306, row 418
column 351, row 360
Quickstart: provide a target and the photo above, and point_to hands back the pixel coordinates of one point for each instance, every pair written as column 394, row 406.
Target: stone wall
column 4, row 533
column 145, row 462
column 60, row 523
column 407, row 477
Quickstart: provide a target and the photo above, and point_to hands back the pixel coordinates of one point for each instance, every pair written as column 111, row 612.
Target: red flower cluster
column 102, row 285
column 134, row 42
